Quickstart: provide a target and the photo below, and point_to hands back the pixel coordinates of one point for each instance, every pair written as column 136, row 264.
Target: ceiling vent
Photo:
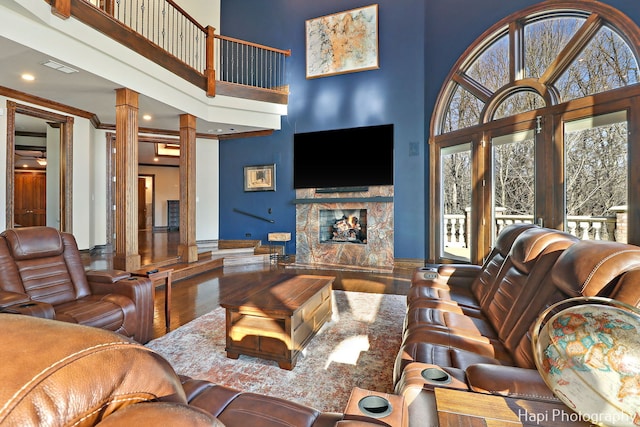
column 57, row 66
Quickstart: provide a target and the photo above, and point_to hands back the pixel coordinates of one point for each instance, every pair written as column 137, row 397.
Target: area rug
column 356, row 348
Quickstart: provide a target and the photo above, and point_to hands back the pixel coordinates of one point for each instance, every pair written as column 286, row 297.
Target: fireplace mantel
column 374, row 199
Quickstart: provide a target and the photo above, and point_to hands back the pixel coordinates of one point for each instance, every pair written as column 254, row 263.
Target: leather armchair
column 58, row 373
column 42, row 275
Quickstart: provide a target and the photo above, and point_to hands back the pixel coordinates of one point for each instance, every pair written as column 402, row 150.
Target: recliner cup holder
column 429, row 273
column 375, row 406
column 436, row 376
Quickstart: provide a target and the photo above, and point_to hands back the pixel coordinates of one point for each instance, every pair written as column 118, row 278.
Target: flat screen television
column 339, row 158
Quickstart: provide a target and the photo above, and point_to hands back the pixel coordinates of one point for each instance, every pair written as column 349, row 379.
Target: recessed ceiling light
column 146, row 117
column 28, row 77
column 155, row 159
column 60, row 67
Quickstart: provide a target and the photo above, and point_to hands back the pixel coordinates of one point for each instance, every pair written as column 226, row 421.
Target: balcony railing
column 455, row 229
column 251, row 64
column 169, row 28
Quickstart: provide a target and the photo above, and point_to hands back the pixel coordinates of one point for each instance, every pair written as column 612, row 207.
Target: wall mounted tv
column 339, row 158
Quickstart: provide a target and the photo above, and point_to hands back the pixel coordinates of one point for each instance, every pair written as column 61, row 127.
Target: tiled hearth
column 374, row 209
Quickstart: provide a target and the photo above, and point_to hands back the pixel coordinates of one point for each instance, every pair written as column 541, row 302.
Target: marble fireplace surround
column 375, row 255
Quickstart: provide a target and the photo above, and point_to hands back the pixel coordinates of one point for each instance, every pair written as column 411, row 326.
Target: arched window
column 531, row 125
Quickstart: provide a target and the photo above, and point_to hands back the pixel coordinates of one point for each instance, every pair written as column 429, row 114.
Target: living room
column 418, row 45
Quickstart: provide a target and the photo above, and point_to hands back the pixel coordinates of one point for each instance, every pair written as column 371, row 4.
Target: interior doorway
column 156, row 185
column 30, row 207
column 146, row 198
column 39, row 174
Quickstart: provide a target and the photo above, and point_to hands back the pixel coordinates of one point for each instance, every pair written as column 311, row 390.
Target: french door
column 568, row 171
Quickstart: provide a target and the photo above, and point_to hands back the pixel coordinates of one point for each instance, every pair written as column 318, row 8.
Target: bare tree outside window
column 464, row 110
column 555, row 34
column 606, row 63
column 514, row 176
column 491, row 69
column 596, row 170
column 456, row 181
column 519, row 103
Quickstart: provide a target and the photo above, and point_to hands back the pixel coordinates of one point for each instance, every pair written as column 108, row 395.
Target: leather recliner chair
column 61, row 374
column 482, row 340
column 42, row 275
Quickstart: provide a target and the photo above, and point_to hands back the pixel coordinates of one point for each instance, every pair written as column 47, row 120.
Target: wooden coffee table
column 276, row 317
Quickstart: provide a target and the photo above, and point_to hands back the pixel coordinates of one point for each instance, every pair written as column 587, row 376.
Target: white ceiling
column 88, row 92
column 94, row 92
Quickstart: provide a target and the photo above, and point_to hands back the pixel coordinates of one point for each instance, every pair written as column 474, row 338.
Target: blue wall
column 419, row 42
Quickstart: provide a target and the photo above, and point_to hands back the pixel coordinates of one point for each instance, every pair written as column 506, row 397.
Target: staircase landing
column 230, row 255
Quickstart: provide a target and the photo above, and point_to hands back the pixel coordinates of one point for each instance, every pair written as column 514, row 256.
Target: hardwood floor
column 195, row 296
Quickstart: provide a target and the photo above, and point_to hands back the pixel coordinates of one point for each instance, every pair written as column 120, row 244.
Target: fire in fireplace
column 343, row 226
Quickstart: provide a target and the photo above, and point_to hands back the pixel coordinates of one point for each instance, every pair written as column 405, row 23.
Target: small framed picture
column 260, row 178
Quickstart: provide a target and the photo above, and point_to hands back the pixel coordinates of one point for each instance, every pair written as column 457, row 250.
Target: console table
column 162, row 275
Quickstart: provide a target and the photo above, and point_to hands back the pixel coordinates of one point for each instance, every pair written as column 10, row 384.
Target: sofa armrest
column 12, row 298
column 160, row 413
column 509, row 381
column 107, row 276
column 29, row 307
column 447, row 276
column 141, row 291
column 17, row 303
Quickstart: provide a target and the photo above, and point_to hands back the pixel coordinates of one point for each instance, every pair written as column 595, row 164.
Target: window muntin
column 606, row 62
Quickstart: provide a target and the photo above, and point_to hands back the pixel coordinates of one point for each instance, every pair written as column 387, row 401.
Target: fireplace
column 343, row 226
column 366, row 245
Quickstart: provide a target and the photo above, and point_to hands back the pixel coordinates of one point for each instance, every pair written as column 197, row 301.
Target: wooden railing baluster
column 210, row 70
column 169, row 27
column 61, row 8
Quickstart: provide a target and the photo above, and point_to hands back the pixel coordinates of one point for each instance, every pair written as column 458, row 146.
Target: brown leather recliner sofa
column 63, row 374
column 474, row 323
column 42, row 275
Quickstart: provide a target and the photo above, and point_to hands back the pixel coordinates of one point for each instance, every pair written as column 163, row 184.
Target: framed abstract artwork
column 344, row 42
column 260, row 178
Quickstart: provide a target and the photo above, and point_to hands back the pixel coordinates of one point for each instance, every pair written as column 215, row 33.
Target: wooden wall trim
column 47, row 103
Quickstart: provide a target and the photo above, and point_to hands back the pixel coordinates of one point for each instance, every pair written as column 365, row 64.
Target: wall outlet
column 247, row 235
column 414, row 149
